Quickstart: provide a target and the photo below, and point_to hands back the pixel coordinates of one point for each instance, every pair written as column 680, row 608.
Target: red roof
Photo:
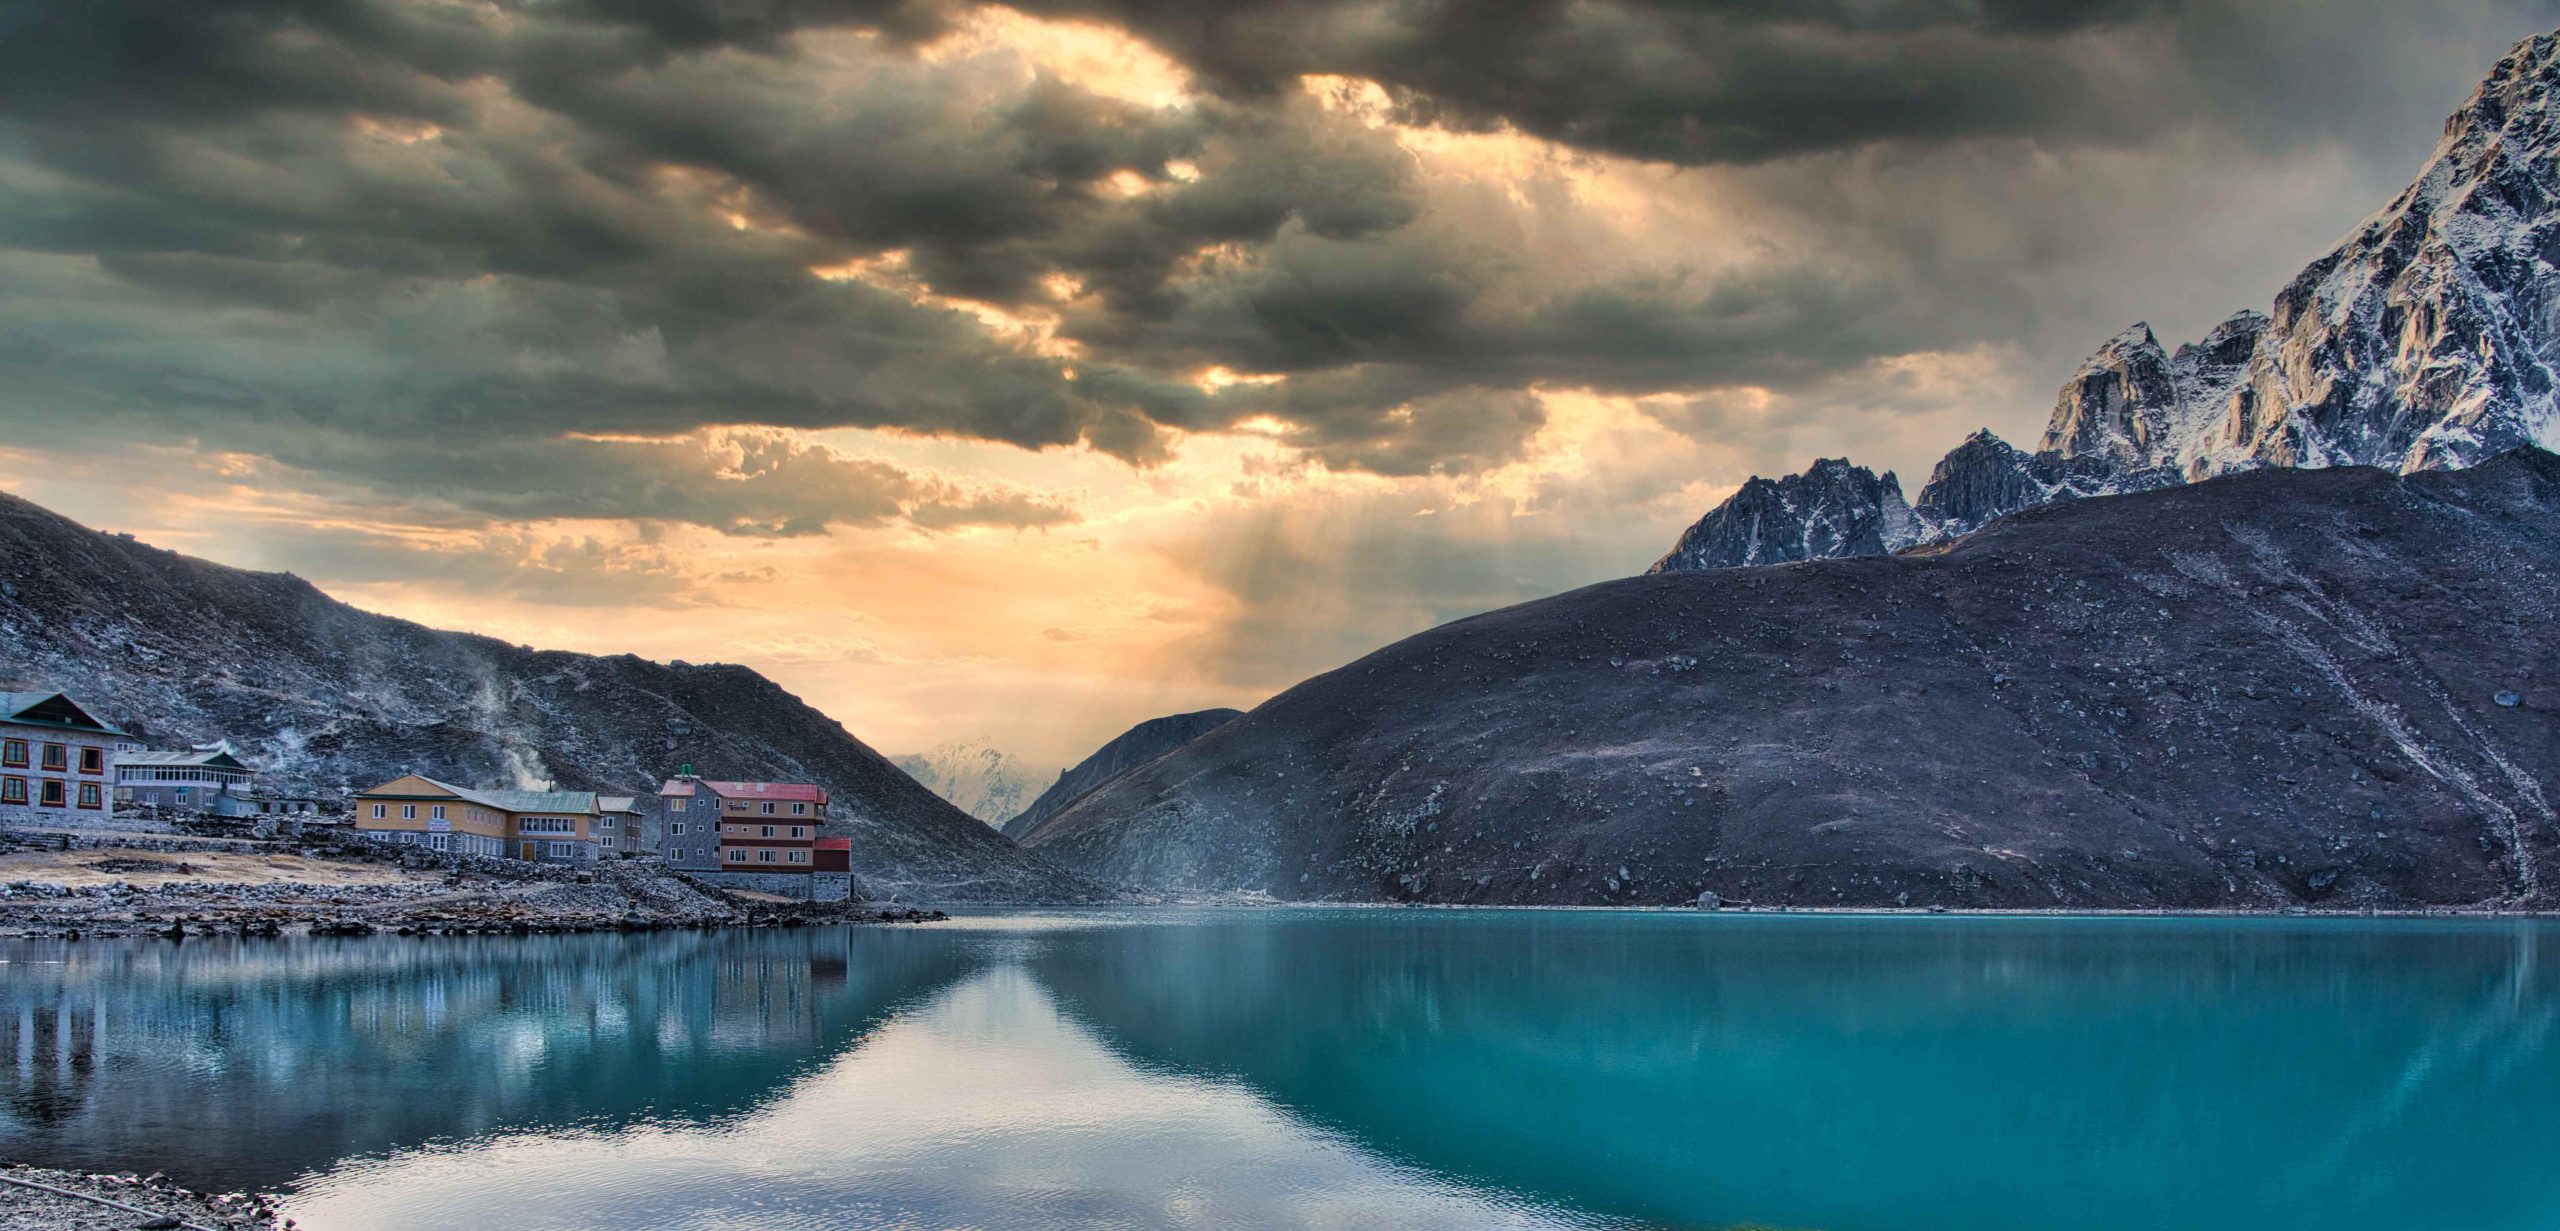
column 835, row 844
column 770, row 790
column 801, row 791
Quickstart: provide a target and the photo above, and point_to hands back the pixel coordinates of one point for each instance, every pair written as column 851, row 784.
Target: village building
column 618, row 819
column 207, row 778
column 56, row 760
column 546, row 826
column 741, row 827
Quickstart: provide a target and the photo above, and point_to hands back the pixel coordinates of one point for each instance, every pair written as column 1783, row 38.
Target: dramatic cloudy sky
column 1028, row 371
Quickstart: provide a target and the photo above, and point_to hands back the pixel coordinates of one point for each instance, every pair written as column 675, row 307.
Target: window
column 675, row 829
column 676, row 804
column 13, row 790
column 408, row 812
column 799, row 856
column 89, row 796
column 768, row 809
column 799, row 809
column 50, row 795
column 765, row 855
column 14, row 754
column 93, row 760
column 182, row 795
column 440, row 841
column 678, row 853
column 436, row 813
column 768, row 832
column 737, row 856
column 57, row 756
column 378, row 810
column 799, row 831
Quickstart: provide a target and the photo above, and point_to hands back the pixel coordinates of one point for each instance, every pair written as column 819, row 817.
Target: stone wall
column 787, row 884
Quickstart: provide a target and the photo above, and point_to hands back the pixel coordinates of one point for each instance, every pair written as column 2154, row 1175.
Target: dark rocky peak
column 2119, row 405
column 1832, row 509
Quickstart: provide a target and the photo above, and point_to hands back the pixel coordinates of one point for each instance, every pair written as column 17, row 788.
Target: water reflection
column 245, row 1063
column 982, row 1108
column 1324, row 1068
column 1975, row 1074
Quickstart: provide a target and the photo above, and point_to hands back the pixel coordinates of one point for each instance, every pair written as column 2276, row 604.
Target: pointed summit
column 1834, row 508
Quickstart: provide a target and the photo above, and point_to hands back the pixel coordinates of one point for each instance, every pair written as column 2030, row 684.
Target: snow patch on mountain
column 2427, row 339
column 978, row 778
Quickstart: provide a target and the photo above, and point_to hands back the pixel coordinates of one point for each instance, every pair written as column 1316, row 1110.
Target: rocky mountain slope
column 2427, row 339
column 2337, row 687
column 1126, row 751
column 322, row 696
column 978, row 778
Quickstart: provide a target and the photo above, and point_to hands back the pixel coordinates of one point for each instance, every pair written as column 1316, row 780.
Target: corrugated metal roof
column 521, row 801
column 216, row 757
column 617, row 803
column 542, row 801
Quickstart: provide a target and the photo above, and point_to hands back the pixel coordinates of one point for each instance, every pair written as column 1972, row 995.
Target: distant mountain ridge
column 2427, row 339
column 1126, row 751
column 978, row 778
column 321, row 696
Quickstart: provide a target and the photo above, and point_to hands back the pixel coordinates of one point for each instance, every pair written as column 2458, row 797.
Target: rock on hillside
column 2427, row 339
column 2338, row 687
column 323, row 696
column 1126, row 751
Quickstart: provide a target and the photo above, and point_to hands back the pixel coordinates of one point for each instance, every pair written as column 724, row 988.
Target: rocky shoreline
column 350, row 888
column 44, row 1199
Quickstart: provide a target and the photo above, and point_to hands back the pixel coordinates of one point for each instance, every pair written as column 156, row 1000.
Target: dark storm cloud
column 353, row 234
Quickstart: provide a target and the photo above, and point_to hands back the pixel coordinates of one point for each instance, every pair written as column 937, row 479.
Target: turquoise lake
column 1323, row 1068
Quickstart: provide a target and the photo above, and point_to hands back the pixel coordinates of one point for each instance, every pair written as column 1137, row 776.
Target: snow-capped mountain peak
column 2427, row 339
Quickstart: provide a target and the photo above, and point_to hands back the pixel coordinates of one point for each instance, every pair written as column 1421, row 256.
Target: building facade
column 546, row 826
column 618, row 834
column 206, row 779
column 56, row 761
column 717, row 826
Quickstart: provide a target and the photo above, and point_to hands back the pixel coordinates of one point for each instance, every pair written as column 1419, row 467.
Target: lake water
column 1323, row 1068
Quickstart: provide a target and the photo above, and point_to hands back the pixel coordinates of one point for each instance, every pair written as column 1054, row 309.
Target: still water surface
column 1323, row 1068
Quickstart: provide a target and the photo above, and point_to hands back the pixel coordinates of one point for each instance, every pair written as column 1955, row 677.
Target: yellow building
column 415, row 810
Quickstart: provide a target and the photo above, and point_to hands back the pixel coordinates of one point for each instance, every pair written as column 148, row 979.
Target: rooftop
column 49, row 709
column 208, row 758
column 802, row 791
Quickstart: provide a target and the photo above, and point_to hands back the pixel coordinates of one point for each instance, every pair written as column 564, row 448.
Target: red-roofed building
column 755, row 827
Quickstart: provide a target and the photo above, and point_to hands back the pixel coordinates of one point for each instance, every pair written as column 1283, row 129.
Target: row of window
column 140, row 773
column 50, row 793
column 469, row 844
column 767, row 855
column 546, row 824
column 740, row 831
column 677, row 803
column 57, row 757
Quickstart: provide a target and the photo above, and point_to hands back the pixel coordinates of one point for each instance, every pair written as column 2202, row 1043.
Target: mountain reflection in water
column 1322, row 1068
